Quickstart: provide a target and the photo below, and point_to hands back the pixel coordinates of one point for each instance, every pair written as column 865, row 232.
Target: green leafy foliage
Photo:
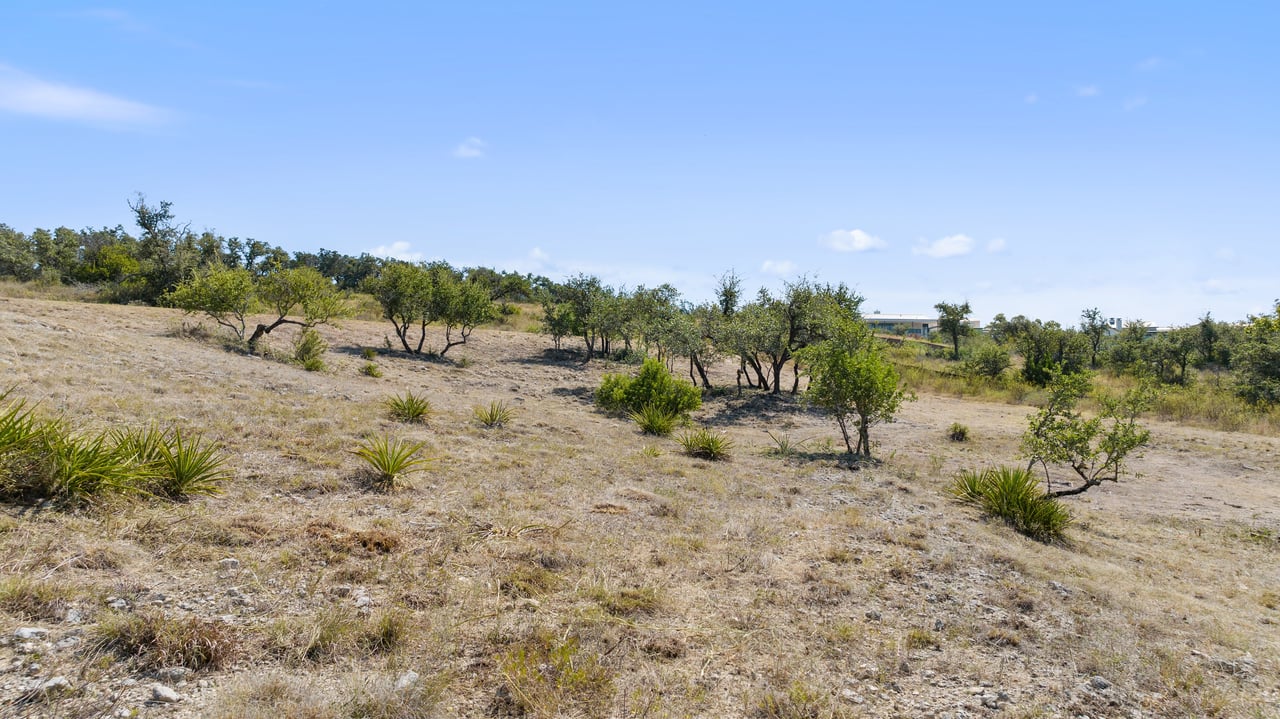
column 409, row 407
column 653, row 387
column 958, row 432
column 1257, row 359
column 1014, row 495
column 224, row 294
column 371, row 370
column 1096, row 449
column 853, row 380
column 989, row 360
column 704, row 443
column 391, row 459
column 308, row 350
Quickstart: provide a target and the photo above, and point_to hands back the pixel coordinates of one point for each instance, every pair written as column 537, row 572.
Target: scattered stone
column 342, row 590
column 165, row 694
column 30, row 633
column 407, row 680
column 73, row 616
column 173, row 674
column 1060, row 588
column 1099, row 683
column 872, row 614
column 66, row 642
column 230, row 563
column 54, row 685
column 117, row 603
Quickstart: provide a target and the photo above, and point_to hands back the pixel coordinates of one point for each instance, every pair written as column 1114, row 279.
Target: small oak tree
column 1096, row 449
column 851, row 378
column 225, row 295
column 293, row 292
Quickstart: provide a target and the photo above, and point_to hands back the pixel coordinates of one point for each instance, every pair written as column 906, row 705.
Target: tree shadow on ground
column 567, row 358
column 425, row 356
column 727, row 407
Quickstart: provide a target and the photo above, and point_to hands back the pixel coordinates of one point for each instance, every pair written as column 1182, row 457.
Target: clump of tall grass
column 1015, row 496
column 654, row 419
column 496, row 414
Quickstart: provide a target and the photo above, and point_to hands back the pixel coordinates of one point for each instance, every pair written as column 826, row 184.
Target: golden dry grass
column 567, row 565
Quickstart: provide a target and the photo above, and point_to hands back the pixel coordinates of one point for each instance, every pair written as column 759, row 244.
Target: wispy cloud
column 778, row 267
column 1150, row 63
column 26, row 94
column 1087, row 91
column 949, row 246
column 996, row 245
column 470, row 148
column 1134, row 103
column 399, row 251
column 852, row 241
column 1031, row 98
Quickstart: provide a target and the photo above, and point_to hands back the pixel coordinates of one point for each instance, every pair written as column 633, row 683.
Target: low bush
column 654, row 386
column 309, row 349
column 1015, row 496
column 958, row 432
column 370, row 370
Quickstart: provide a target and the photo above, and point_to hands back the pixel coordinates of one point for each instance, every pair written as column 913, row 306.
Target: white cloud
column 852, row 241
column 949, row 246
column 398, row 250
column 1134, row 103
column 1151, row 63
column 28, row 95
column 1088, row 91
column 778, row 267
column 470, row 148
column 996, row 245
column 1031, row 98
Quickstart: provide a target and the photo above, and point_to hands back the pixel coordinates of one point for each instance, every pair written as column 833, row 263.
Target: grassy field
column 565, row 564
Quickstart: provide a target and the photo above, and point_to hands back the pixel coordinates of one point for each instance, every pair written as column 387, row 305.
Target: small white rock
column 407, row 680
column 30, row 633
column 54, row 685
column 162, row 693
column 230, row 563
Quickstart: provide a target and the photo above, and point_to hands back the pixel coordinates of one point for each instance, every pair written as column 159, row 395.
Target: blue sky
column 1032, row 158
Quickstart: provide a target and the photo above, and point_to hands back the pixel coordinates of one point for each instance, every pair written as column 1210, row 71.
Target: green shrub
column 75, row 469
column 391, row 459
column 987, row 361
column 1015, row 496
column 654, row 420
column 706, row 444
column 409, row 407
column 309, row 349
column 653, row 386
column 369, row 353
column 958, row 432
column 370, row 370
column 496, row 414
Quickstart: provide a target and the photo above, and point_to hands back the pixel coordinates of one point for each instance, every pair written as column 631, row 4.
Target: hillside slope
column 567, row 565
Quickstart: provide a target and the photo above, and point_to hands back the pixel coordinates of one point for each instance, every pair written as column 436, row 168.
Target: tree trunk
column 843, row 422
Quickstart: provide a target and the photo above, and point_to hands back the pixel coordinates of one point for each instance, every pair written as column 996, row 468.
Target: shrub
column 76, row 469
column 706, row 444
column 190, row 466
column 309, row 349
column 370, row 370
column 497, row 414
column 1015, row 496
column 369, row 353
column 654, row 420
column 653, row 386
column 409, row 407
column 958, row 432
column 158, row 641
column 391, row 459
column 987, row 361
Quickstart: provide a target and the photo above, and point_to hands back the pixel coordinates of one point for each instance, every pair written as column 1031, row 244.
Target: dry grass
column 569, row 565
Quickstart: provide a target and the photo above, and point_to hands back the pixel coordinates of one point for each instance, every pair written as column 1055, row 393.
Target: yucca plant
column 142, row 444
column 309, row 349
column 18, row 425
column 370, row 370
column 189, row 465
column 409, row 407
column 1014, row 495
column 497, row 414
column 783, row 445
column 706, row 444
column 391, row 459
column 655, row 419
column 75, row 469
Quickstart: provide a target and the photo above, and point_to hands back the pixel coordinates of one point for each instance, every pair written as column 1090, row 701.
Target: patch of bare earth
column 567, row 565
